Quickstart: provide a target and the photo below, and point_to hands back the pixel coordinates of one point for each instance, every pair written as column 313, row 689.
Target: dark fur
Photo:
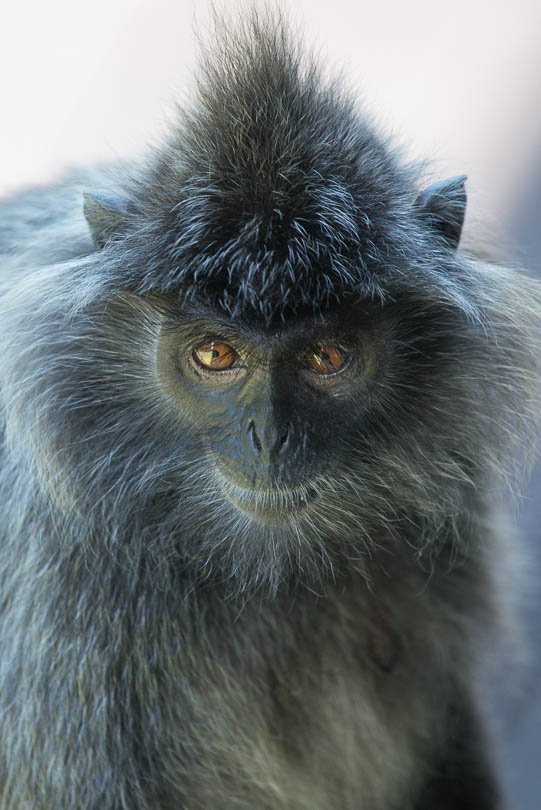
column 160, row 650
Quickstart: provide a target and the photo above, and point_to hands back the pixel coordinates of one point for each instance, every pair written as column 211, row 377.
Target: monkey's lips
column 270, row 505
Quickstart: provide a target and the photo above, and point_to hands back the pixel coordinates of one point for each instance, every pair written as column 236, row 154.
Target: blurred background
column 458, row 84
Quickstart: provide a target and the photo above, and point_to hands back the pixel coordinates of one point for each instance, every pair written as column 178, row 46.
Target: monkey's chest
column 333, row 731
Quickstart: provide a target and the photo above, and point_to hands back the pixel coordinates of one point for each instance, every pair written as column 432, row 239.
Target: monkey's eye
column 327, row 359
column 215, row 356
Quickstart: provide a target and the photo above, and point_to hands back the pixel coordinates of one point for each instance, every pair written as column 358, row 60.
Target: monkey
column 259, row 410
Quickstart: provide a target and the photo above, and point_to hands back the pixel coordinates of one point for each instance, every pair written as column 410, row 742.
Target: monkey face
column 272, row 409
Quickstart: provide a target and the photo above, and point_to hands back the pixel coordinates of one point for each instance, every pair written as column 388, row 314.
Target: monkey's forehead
column 320, row 244
column 341, row 318
column 241, row 274
column 272, row 263
column 268, row 288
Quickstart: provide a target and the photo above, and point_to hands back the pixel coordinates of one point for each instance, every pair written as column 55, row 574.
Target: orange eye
column 326, row 359
column 215, row 356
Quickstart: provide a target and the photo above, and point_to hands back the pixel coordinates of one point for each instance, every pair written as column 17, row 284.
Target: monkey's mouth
column 270, row 505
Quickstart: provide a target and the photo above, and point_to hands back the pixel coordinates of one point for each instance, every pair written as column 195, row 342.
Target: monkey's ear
column 106, row 215
column 443, row 204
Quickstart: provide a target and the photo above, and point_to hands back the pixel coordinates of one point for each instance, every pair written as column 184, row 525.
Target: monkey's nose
column 270, row 442
column 283, row 441
column 255, row 441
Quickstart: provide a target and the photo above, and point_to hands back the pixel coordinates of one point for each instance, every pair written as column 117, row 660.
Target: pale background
column 458, row 83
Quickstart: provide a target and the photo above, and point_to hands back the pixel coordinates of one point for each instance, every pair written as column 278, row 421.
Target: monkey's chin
column 273, row 506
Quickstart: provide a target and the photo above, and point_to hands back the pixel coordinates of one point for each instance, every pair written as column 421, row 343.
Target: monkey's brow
column 197, row 327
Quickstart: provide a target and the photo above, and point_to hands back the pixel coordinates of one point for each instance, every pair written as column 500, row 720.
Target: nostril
column 283, row 440
column 254, row 437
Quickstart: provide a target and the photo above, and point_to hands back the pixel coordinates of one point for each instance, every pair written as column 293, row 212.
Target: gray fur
column 161, row 649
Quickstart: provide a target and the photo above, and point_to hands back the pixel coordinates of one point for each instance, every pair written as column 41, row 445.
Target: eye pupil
column 327, row 359
column 215, row 356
